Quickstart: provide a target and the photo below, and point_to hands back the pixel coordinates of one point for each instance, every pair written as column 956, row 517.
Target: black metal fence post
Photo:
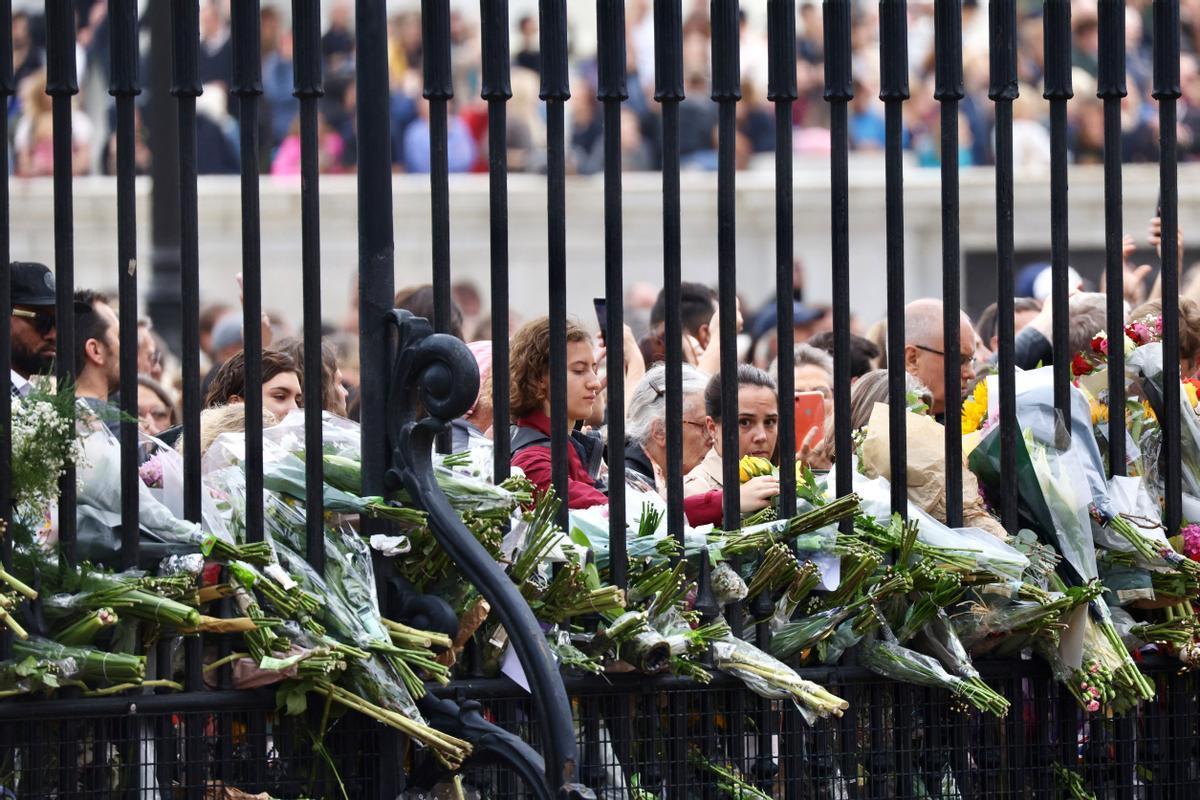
column 376, row 279
column 308, row 84
column 496, row 90
column 668, row 92
column 247, row 87
column 949, row 91
column 893, row 91
column 1056, row 19
column 839, row 90
column 1111, row 88
column 611, row 91
column 781, row 90
column 62, row 84
column 6, row 91
column 124, row 86
column 555, row 91
column 438, row 91
column 1002, row 89
column 1167, row 92
column 186, row 88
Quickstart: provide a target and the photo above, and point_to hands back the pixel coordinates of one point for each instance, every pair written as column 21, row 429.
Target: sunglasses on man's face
column 42, row 321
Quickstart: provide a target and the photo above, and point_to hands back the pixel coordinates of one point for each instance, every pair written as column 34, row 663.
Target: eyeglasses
column 963, row 360
column 42, row 321
column 699, row 425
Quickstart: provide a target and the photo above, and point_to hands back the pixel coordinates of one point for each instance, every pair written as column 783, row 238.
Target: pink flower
column 1094, row 668
column 1191, row 541
column 1093, row 706
column 151, row 473
column 1094, row 691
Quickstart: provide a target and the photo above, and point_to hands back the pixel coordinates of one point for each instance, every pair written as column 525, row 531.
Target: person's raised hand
column 757, row 493
column 810, row 451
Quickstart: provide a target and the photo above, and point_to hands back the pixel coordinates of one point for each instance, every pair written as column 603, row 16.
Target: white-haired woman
column 646, row 436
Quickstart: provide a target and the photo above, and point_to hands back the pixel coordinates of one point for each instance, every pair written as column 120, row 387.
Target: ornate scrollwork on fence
column 435, row 380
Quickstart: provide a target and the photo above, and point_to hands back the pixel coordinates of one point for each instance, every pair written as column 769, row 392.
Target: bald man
column 924, row 354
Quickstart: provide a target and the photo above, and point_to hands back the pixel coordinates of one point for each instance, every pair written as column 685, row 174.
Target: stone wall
column 220, row 246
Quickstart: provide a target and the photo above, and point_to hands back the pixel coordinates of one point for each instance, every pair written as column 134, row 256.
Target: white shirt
column 20, row 386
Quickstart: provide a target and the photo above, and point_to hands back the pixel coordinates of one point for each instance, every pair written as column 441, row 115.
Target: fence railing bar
column 438, row 91
column 1002, row 90
column 7, row 88
column 1167, row 92
column 611, row 91
column 186, row 88
column 376, row 280
column 555, row 91
column 61, row 85
column 668, row 92
column 726, row 91
column 839, row 90
column 1110, row 88
column 1056, row 20
column 247, row 87
column 124, row 86
column 781, row 90
column 308, row 86
column 948, row 91
column 496, row 90
column 893, row 83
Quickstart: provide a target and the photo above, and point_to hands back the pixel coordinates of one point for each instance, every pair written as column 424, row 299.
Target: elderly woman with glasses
column 646, row 448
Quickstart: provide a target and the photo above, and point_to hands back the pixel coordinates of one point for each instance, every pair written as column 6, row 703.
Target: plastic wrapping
column 989, row 553
column 769, row 677
column 727, row 585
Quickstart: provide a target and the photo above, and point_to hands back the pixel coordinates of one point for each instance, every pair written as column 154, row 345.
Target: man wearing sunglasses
column 32, row 326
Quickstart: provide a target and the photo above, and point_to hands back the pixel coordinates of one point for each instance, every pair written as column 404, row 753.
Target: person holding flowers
column 758, row 433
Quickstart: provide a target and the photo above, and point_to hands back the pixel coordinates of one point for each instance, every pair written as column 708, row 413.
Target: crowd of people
column 217, row 112
column 285, row 387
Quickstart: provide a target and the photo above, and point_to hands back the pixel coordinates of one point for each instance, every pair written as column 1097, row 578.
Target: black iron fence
column 898, row 741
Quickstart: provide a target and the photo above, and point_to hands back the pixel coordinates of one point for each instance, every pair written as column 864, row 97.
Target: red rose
column 1100, row 344
column 1081, row 366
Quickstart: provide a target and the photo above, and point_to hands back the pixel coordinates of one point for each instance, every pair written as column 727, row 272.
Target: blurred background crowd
column 30, row 117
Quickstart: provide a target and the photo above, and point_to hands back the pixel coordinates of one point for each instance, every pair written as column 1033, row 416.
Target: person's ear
column 911, row 354
column 94, row 351
column 234, row 398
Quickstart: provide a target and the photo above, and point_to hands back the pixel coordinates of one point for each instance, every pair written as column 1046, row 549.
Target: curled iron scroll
column 435, row 380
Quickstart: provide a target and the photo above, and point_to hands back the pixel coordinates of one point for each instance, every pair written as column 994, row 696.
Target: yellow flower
column 1099, row 412
column 1190, row 388
column 1149, row 410
column 975, row 408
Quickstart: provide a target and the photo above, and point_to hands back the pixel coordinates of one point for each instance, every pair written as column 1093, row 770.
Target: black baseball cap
column 32, row 284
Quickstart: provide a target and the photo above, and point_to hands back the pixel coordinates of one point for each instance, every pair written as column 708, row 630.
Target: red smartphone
column 810, row 413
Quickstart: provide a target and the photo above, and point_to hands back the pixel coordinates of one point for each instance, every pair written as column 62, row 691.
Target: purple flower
column 151, row 472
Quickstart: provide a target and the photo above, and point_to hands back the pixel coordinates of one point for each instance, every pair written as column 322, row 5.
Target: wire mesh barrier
column 897, row 741
column 383, row 591
column 244, row 745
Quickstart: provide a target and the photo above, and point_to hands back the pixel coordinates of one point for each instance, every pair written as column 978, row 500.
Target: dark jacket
column 531, row 452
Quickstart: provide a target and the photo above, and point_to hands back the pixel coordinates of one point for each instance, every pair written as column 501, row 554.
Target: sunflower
column 975, row 408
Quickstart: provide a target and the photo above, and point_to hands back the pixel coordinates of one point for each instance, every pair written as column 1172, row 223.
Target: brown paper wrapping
column 926, row 468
